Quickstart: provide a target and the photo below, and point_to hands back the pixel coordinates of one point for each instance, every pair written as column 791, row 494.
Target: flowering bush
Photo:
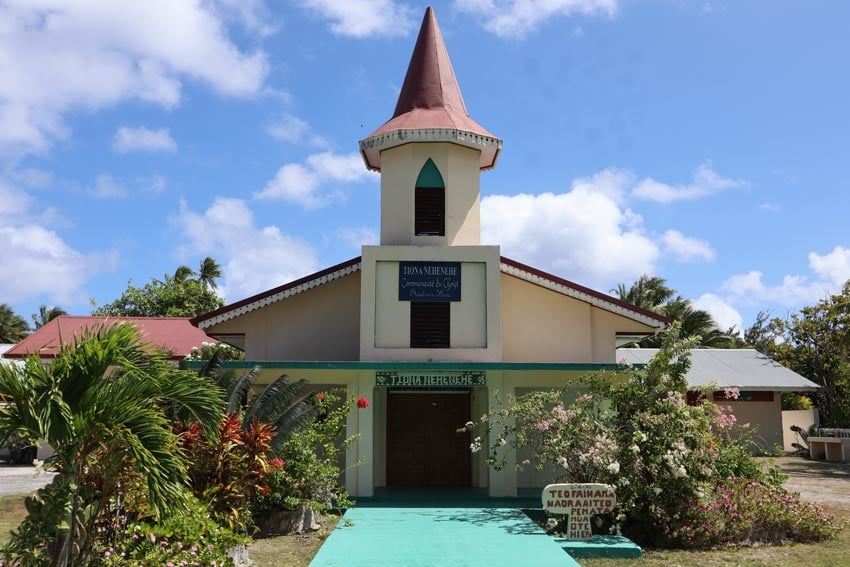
column 206, row 351
column 309, row 460
column 638, row 434
column 189, row 538
column 744, row 512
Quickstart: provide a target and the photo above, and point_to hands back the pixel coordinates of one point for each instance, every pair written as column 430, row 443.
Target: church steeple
column 430, row 107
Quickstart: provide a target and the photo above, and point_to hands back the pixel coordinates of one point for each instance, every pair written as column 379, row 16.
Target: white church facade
column 430, row 326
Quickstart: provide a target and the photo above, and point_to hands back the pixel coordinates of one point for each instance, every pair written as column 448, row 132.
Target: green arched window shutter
column 430, row 202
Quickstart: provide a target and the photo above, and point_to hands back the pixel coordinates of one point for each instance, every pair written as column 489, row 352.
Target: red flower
column 277, row 463
column 362, row 402
column 320, row 396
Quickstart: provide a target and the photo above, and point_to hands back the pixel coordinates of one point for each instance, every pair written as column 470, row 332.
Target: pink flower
column 362, row 402
column 320, row 396
column 277, row 463
column 153, row 538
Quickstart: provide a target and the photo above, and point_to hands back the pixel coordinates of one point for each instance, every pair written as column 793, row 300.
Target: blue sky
column 701, row 141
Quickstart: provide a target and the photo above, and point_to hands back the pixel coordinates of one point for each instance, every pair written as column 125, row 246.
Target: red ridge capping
column 592, row 292
column 273, row 291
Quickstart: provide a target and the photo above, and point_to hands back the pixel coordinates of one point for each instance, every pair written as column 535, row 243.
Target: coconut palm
column 182, row 273
column 47, row 314
column 13, row 327
column 101, row 404
column 652, row 292
column 209, row 271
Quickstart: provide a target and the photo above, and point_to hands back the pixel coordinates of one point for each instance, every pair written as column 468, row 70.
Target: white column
column 503, row 482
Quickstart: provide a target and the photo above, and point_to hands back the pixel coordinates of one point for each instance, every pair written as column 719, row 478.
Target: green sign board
column 430, row 379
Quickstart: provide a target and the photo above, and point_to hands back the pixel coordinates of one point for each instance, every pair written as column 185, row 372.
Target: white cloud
column 39, row 262
column 294, row 130
column 105, row 187
column 58, row 56
column 359, row 236
column 152, row 184
column 253, row 14
column 833, row 267
column 583, row 234
column 829, row 273
column 686, row 249
column 253, row 258
column 36, row 260
column 720, row 310
column 706, row 182
column 143, row 139
column 516, row 18
column 305, row 183
column 770, row 207
column 364, row 18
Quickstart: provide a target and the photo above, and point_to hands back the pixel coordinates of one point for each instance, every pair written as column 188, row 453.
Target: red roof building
column 174, row 335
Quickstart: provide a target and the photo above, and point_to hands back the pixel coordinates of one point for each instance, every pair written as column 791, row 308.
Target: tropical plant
column 13, row 327
column 815, row 342
column 172, row 296
column 306, row 475
column 46, row 314
column 101, row 404
column 208, row 272
column 283, row 403
column 670, row 462
column 652, row 292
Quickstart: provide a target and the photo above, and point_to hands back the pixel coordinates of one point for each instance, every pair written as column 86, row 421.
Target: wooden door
column 423, row 445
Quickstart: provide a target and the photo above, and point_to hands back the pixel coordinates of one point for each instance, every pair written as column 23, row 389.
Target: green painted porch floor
column 427, row 535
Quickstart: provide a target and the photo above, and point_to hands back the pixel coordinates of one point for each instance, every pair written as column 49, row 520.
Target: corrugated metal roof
column 745, row 369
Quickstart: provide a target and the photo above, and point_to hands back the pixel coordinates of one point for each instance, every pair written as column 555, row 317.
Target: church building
column 430, row 326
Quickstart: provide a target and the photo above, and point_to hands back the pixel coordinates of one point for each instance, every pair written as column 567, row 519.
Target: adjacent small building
column 431, row 326
column 760, row 382
column 175, row 336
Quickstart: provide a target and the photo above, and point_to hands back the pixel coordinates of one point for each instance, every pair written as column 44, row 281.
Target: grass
column 831, row 553
column 12, row 511
column 292, row 550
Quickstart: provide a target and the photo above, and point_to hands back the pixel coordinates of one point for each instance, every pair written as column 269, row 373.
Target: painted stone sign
column 429, row 281
column 579, row 501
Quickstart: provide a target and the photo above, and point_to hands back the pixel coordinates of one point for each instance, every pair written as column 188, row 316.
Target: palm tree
column 47, row 314
column 13, row 328
column 209, row 271
column 648, row 292
column 652, row 292
column 283, row 403
column 182, row 273
column 101, row 404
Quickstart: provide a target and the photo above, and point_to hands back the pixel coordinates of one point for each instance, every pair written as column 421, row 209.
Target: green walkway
column 422, row 536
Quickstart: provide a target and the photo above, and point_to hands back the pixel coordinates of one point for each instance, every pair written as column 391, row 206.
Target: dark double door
column 423, row 445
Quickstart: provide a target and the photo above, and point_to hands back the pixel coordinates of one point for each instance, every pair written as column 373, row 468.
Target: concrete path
column 21, row 479
column 431, row 537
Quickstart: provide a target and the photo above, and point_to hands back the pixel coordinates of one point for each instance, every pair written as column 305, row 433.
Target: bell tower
column 430, row 291
column 430, row 154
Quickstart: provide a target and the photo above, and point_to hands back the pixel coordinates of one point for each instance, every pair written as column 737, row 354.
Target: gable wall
column 540, row 325
column 322, row 323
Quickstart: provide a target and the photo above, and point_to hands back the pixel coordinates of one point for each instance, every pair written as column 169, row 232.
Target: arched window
column 430, row 202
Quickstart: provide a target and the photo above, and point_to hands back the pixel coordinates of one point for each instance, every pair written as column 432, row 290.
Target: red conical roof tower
column 430, row 107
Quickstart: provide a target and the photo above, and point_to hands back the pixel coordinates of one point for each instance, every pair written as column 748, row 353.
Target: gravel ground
column 21, row 479
column 818, row 481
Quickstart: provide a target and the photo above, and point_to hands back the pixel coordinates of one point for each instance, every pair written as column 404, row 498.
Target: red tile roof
column 175, row 335
column 431, row 103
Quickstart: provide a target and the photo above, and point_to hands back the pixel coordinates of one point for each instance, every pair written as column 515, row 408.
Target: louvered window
column 429, row 324
column 430, row 202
